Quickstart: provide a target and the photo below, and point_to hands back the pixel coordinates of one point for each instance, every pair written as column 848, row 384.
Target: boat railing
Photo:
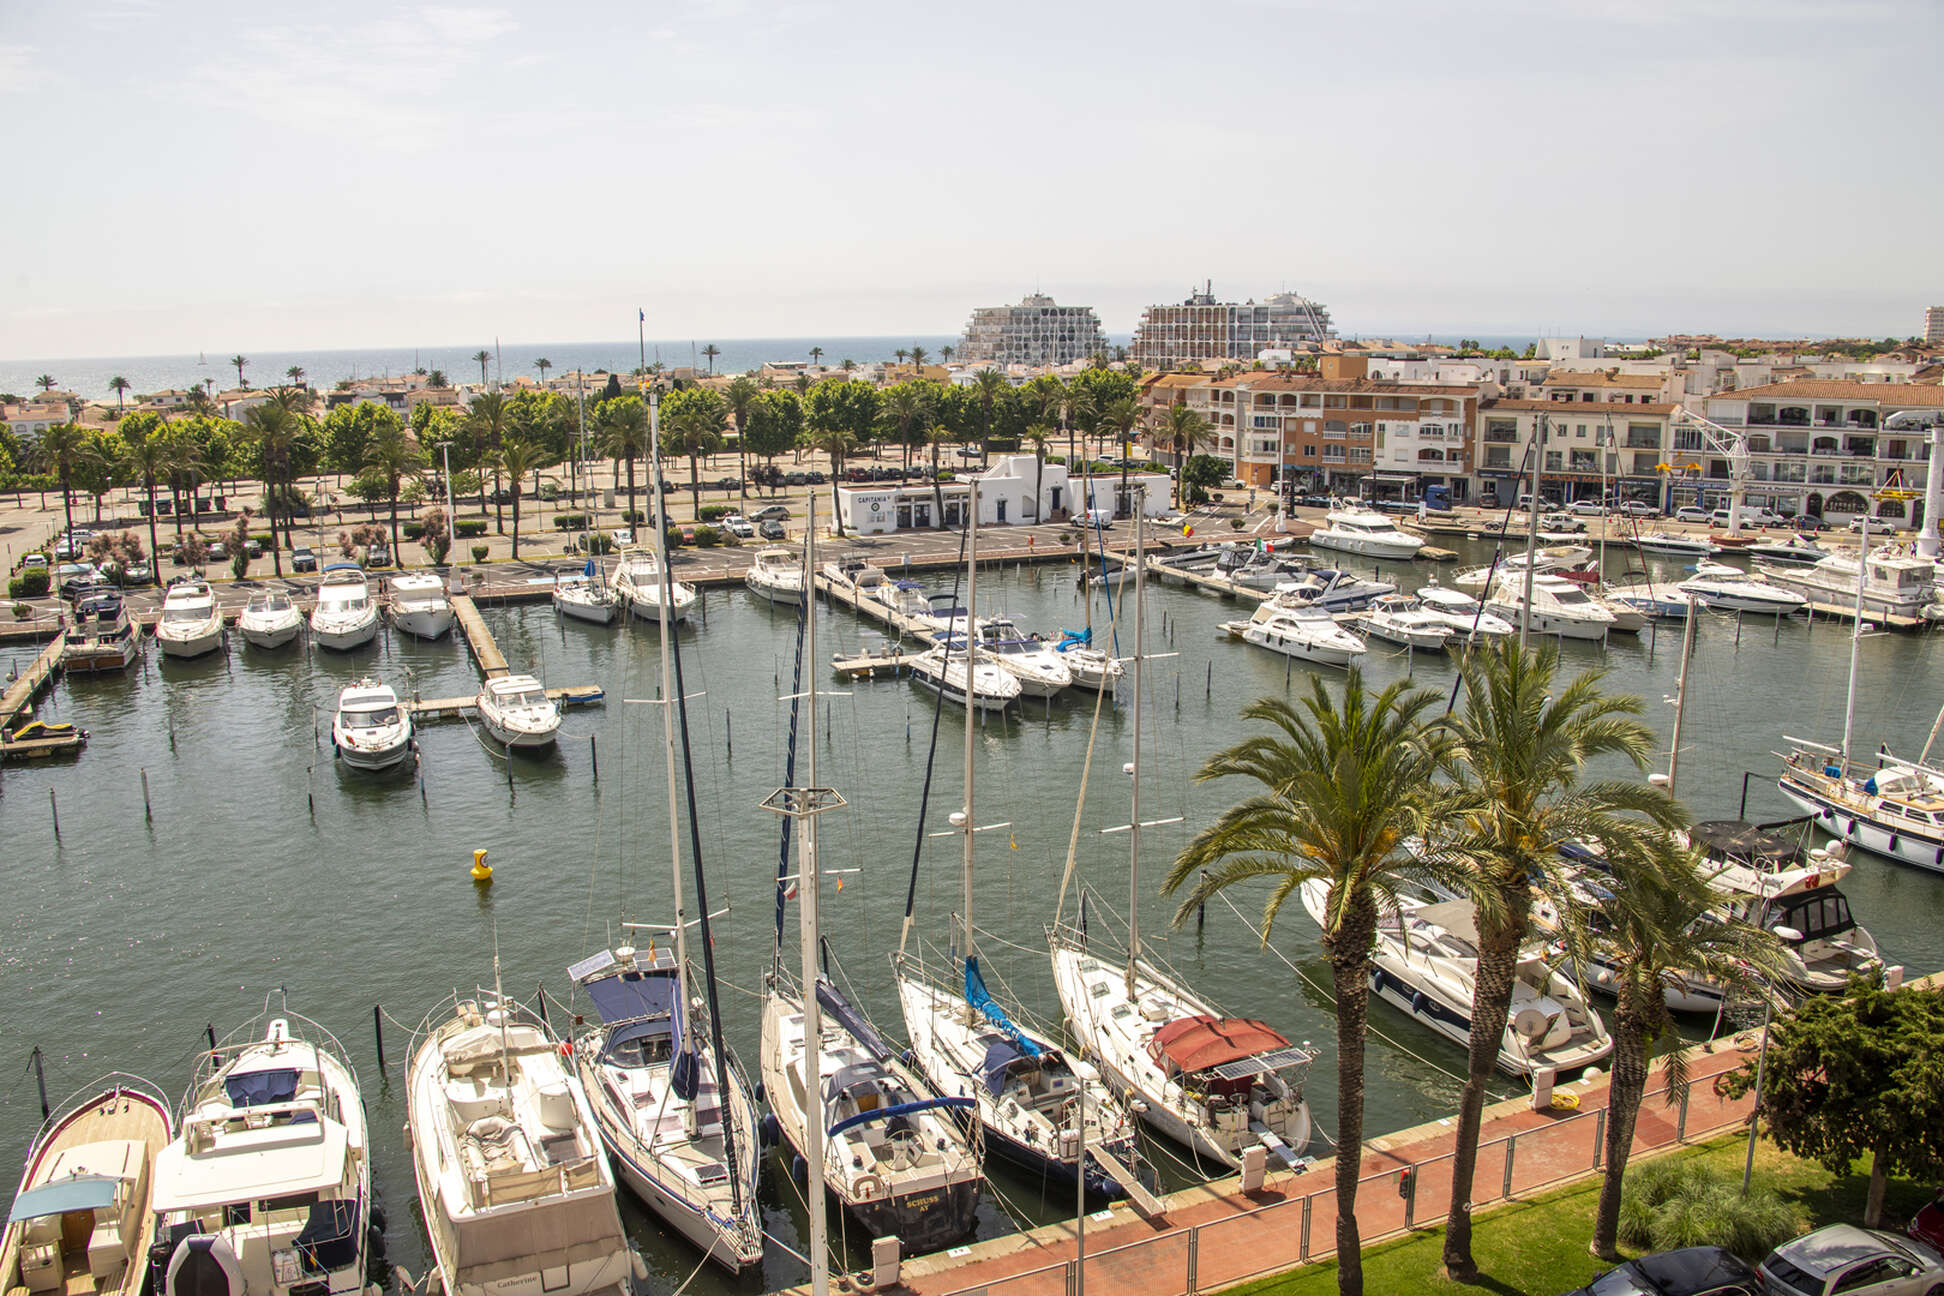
column 120, row 1082
column 253, row 1032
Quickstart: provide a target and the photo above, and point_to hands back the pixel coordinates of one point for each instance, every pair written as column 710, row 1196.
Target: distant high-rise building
column 1035, row 332
column 1201, row 328
column 1934, row 326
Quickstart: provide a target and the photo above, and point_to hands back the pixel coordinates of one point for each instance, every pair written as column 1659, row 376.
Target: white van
column 1100, row 517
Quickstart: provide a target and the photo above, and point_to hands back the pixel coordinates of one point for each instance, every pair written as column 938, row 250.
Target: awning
column 78, row 1193
column 1198, row 1043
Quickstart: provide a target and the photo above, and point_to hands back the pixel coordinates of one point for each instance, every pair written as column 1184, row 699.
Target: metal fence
column 1402, row 1195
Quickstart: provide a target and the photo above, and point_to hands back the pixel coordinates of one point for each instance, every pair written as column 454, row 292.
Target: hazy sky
column 191, row 176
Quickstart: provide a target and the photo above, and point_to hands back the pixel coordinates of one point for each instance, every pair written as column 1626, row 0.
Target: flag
column 642, row 314
column 1187, row 530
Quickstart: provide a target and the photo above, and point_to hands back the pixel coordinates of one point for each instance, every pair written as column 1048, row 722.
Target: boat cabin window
column 185, row 614
column 1822, row 915
column 236, row 1213
column 641, row 1051
column 296, row 1201
column 525, row 698
column 372, row 719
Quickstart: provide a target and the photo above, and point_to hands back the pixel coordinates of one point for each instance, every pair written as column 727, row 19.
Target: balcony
column 1643, row 442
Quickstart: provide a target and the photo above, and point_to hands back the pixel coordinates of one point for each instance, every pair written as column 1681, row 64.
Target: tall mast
column 1680, row 699
column 971, row 703
column 1140, row 658
column 1532, row 530
column 811, row 891
column 1856, row 639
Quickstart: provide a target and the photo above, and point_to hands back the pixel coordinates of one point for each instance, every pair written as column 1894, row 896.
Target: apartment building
column 1038, row 331
column 35, row 417
column 1609, row 386
column 1571, row 439
column 1821, row 447
column 1934, row 326
column 1202, row 329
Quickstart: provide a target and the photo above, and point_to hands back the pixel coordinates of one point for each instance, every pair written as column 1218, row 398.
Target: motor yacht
column 1672, row 544
column 1651, row 599
column 775, row 575
column 345, row 616
column 81, row 1221
column 638, row 578
column 1404, row 620
column 1569, row 884
column 584, row 597
column 1896, row 583
column 909, row 607
column 1361, row 531
column 102, row 637
column 1559, row 607
column 270, row 620
column 191, row 624
column 1035, row 663
column 1796, row 551
column 1335, row 590
column 371, row 729
column 1253, row 567
column 1726, row 589
column 1571, row 561
column 1299, row 629
column 266, row 1189
column 683, row 1146
column 1767, row 879
column 1464, row 616
column 943, row 670
column 513, row 1182
column 418, row 605
column 516, row 712
column 1425, row 962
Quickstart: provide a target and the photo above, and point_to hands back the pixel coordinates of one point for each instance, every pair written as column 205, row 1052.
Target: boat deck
column 126, row 1121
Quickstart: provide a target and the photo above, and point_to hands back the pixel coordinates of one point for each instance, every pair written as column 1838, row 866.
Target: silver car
column 1853, row 1261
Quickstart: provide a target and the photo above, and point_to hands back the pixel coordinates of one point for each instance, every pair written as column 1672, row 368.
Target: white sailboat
column 1218, row 1085
column 638, row 578
column 584, row 596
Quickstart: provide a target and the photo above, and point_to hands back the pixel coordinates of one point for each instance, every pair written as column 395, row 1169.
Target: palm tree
column 906, row 414
column 45, row 382
column 742, row 390
column 696, row 430
column 901, row 353
column 296, row 375
column 148, row 458
column 63, row 447
column 1344, row 786
column 1657, row 923
column 186, row 464
column 624, row 435
column 816, row 355
column 1516, row 755
column 1039, row 436
column 712, row 351
column 918, row 357
column 945, row 352
column 1076, row 403
column 542, row 364
column 395, row 456
column 1120, row 418
column 836, row 442
column 481, row 358
column 239, row 361
column 988, row 385
column 1186, row 429
column 491, row 422
column 275, row 426
column 938, row 435
column 847, row 364
column 517, row 458
column 118, row 385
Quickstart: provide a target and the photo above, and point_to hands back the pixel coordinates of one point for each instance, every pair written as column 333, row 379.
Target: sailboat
column 862, row 1125
column 672, row 1105
column 1091, row 667
column 1029, row 1097
column 1218, row 1085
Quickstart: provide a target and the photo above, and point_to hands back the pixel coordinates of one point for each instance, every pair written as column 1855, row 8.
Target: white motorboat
column 418, row 605
column 1464, row 616
column 853, row 576
column 1334, row 590
column 1299, row 629
column 943, row 670
column 81, row 1221
column 1254, row 567
column 1035, row 663
column 1572, row 561
column 266, row 1190
column 1728, row 590
column 270, row 619
column 102, row 637
column 1627, row 619
column 638, row 578
column 191, row 624
column 512, row 1180
column 1672, row 544
column 583, row 597
column 1425, row 962
column 1896, row 583
column 1364, row 532
column 516, row 711
column 1402, row 619
column 1651, row 598
column 906, row 599
column 1559, row 606
column 371, row 730
column 1766, row 879
column 1796, row 551
column 1090, row 667
column 775, row 575
column 345, row 616
column 1686, row 992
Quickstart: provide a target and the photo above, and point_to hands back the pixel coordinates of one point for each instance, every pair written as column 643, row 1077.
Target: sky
column 212, row 176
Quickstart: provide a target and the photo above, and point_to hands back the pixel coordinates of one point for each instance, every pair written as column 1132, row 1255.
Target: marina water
column 124, row 938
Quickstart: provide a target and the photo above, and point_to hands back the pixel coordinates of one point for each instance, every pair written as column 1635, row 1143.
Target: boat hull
column 929, row 1219
column 1857, row 827
column 682, row 1216
column 594, row 613
column 91, row 656
column 424, row 623
column 523, row 739
column 956, row 694
column 373, row 760
column 1367, row 546
column 787, row 595
column 196, row 645
column 1323, row 654
column 271, row 636
column 344, row 638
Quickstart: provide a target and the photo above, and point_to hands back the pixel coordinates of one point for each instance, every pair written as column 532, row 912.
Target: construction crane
column 1716, row 439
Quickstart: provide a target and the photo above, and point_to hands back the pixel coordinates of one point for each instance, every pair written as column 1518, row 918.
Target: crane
column 1716, row 439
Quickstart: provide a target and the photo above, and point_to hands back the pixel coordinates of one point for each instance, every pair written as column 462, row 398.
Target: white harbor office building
column 1014, row 489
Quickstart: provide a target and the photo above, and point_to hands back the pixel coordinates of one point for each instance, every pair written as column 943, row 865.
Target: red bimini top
column 1199, row 1043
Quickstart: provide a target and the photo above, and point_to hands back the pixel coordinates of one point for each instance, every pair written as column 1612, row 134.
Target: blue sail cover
column 977, row 995
column 1071, row 639
column 255, row 1088
column 853, row 1021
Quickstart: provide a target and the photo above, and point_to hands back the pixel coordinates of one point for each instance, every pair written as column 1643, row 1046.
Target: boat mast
column 1680, row 700
column 1134, row 823
column 1532, row 530
column 971, row 710
column 811, row 891
column 1605, row 448
column 1856, row 640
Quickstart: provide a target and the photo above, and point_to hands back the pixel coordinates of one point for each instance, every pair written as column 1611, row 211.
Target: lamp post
column 1788, row 935
column 445, row 457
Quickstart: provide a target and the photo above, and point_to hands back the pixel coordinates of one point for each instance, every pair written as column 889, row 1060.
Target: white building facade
column 1015, row 489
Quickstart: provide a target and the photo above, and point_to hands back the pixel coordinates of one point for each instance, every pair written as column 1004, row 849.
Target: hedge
column 713, row 512
column 479, row 553
column 707, row 537
column 31, row 584
column 633, row 517
column 465, row 528
column 412, row 530
column 569, row 521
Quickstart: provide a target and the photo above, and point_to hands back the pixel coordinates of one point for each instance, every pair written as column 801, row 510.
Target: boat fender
column 1417, row 1003
column 1893, row 841
column 770, row 1129
column 639, row 1265
column 1376, row 980
column 864, row 1280
column 868, row 1187
column 799, row 1169
column 1851, row 832
column 378, row 1218
column 204, row 1265
column 762, row 1094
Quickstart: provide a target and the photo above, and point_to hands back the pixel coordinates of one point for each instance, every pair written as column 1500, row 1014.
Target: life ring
column 1565, row 1100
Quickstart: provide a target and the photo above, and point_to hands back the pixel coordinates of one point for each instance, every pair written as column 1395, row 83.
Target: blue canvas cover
column 637, row 1005
column 78, row 1193
column 256, row 1088
column 852, row 1020
column 999, row 1057
column 977, row 995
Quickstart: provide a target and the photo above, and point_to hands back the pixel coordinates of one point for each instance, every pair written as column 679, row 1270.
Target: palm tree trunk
column 695, row 488
column 938, row 493
column 499, row 509
column 394, row 519
column 516, row 521
column 276, row 548
column 1349, row 966
column 67, row 502
column 1498, row 955
column 631, row 492
column 1623, row 1109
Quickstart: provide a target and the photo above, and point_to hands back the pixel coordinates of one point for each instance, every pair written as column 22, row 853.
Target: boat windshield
column 371, row 718
column 1823, row 914
column 180, row 613
column 1569, row 596
column 528, row 697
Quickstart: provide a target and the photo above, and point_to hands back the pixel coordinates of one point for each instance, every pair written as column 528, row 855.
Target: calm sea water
column 126, row 937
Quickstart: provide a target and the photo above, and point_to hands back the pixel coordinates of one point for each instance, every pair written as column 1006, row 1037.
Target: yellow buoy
column 482, row 872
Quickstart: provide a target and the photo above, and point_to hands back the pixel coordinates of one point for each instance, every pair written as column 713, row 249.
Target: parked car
column 1639, row 509
column 1691, row 513
column 1807, row 523
column 73, row 544
column 218, row 551
column 771, row 529
column 138, row 573
column 770, row 513
column 69, row 577
column 1927, row 1225
column 1691, row 1271
column 34, row 562
column 1587, row 508
column 1854, row 1261
column 623, row 537
column 741, row 528
column 303, row 559
column 1878, row 526
column 253, row 547
column 1750, row 516
column 379, row 555
column 1562, row 523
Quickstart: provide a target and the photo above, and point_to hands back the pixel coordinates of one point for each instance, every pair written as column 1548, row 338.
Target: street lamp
column 1788, row 935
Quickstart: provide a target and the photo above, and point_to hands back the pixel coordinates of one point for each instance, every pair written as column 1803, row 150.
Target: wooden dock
column 21, row 693
column 1208, row 582
column 61, row 744
column 889, row 660
column 455, row 708
column 485, row 650
column 870, row 609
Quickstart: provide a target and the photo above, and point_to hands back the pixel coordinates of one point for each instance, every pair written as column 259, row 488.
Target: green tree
column 490, row 423
column 839, row 406
column 1857, row 1073
column 45, row 382
column 239, row 361
column 543, row 364
column 278, row 432
column 623, row 424
column 482, row 358
column 741, row 391
column 775, row 424
column 901, row 353
column 1185, row 429
column 906, row 414
column 1120, row 417
column 517, row 458
column 189, row 444
column 437, row 380
column 148, row 460
column 393, row 457
column 1656, row 925
column 62, row 449
column 1517, row 754
column 692, row 424
column 989, row 386
column 296, row 375
column 918, row 357
column 119, row 385
column 711, row 351
column 103, row 467
column 1200, row 475
column 816, row 355
column 946, row 353
column 1039, row 436
column 1343, row 788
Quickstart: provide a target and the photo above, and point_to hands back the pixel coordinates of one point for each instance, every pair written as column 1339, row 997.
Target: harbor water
column 266, row 869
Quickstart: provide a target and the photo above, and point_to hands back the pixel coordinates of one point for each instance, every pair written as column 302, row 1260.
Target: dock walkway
column 454, row 708
column 21, row 693
column 485, row 649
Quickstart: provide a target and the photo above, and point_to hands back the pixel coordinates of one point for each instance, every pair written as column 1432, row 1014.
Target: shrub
column 437, row 547
column 1235, row 524
column 21, row 611
column 707, row 537
column 569, row 521
column 1056, row 459
column 412, row 530
column 674, row 537
column 468, row 528
column 33, row 584
column 600, row 542
column 713, row 512
column 479, row 553
column 1669, row 1203
column 633, row 517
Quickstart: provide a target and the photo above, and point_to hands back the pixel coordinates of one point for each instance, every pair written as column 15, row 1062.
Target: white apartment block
column 1934, row 326
column 1036, row 332
column 1201, row 328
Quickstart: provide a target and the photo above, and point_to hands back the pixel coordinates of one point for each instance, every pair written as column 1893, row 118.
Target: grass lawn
column 1537, row 1247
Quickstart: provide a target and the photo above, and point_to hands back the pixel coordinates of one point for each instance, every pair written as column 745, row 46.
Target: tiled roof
column 1266, row 381
column 1566, row 408
column 1924, row 394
